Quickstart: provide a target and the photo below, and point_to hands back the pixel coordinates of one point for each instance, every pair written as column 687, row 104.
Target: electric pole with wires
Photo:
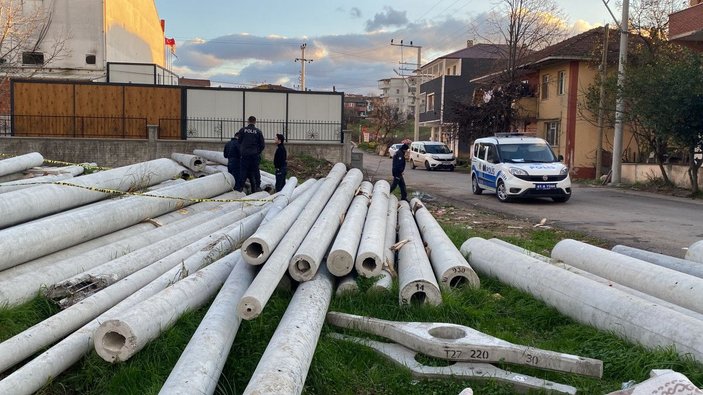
column 416, row 130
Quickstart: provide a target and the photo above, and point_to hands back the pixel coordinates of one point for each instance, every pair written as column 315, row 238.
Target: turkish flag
column 171, row 42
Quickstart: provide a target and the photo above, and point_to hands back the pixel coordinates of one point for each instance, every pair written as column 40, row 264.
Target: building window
column 397, row 91
column 561, row 83
column 551, row 133
column 454, row 70
column 89, row 59
column 545, row 87
column 430, row 103
column 32, row 58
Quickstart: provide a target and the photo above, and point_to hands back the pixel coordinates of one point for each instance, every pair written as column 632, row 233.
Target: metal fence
column 5, row 124
column 75, row 126
column 224, row 129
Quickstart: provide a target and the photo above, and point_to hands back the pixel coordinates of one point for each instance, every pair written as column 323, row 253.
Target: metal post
column 620, row 104
column 416, row 131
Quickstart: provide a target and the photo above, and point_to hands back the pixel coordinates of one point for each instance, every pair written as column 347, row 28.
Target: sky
column 247, row 43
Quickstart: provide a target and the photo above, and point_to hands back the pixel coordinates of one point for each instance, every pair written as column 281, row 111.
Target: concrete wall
column 640, row 172
column 114, row 153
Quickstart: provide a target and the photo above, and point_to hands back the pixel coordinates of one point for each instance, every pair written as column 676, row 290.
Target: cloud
column 355, row 12
column 389, row 17
column 581, row 26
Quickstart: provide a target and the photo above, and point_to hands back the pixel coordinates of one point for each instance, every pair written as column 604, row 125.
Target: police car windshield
column 526, row 153
column 436, row 149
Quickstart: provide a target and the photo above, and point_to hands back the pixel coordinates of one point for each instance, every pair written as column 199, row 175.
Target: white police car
column 518, row 166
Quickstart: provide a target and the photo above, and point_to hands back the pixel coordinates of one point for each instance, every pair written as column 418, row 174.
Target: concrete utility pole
column 303, row 61
column 620, row 104
column 416, row 130
column 601, row 110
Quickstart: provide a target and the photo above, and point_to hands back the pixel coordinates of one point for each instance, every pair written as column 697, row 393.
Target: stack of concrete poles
column 95, row 279
column 416, row 279
column 587, row 301
column 308, row 257
column 121, row 296
column 347, row 285
column 20, row 163
column 284, row 366
column 118, row 339
column 600, row 280
column 191, row 162
column 69, row 172
column 30, row 240
column 261, row 289
column 448, row 264
column 675, row 287
column 340, row 260
column 369, row 257
column 24, row 205
column 57, row 267
column 258, row 248
column 680, row 265
column 212, row 156
column 200, row 365
column 695, row 252
column 156, row 276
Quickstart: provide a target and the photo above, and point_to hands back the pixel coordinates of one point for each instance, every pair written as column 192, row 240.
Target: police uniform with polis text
column 251, row 145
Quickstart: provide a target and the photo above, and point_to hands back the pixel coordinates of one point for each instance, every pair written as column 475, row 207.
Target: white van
column 432, row 155
column 517, row 166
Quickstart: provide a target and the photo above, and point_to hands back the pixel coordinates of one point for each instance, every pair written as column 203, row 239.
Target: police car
column 518, row 166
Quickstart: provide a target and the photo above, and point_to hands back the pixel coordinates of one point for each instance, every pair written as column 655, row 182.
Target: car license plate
column 542, row 187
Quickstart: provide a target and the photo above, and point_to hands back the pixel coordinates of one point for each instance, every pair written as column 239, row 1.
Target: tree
column 25, row 39
column 521, row 27
column 386, row 120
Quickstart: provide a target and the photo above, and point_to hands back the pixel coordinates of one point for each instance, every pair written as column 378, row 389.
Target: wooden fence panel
column 154, row 103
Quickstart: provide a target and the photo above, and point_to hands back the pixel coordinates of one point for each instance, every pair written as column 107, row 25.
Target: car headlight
column 435, row 157
column 517, row 172
column 564, row 171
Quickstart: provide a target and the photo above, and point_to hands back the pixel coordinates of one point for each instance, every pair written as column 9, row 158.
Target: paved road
column 649, row 221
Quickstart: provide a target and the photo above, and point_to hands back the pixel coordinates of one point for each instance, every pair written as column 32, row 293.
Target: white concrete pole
column 695, row 252
column 118, row 339
column 261, row 289
column 258, row 248
column 69, row 172
column 281, row 200
column 369, row 256
column 23, row 242
column 383, row 284
column 600, row 280
column 79, row 286
column 587, row 301
column 340, row 260
column 192, row 162
column 20, row 163
column 347, row 285
column 117, row 298
column 45, row 273
column 680, row 265
column 91, row 245
column 449, row 265
column 308, row 258
column 391, row 233
column 24, row 205
column 285, row 363
column 200, row 365
column 213, row 156
column 675, row 287
column 416, row 281
column 620, row 100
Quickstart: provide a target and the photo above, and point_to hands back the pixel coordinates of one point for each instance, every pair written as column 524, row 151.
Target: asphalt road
column 658, row 223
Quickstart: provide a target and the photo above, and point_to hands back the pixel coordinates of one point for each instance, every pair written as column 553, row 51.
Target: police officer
column 398, row 169
column 234, row 157
column 280, row 162
column 251, row 145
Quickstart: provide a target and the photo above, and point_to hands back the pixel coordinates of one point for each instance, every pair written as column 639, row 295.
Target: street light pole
column 303, row 61
column 416, row 129
column 620, row 104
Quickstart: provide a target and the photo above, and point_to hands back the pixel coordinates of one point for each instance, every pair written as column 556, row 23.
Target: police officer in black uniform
column 251, row 145
column 398, row 169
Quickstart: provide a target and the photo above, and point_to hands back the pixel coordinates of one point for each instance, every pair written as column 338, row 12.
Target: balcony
column 687, row 24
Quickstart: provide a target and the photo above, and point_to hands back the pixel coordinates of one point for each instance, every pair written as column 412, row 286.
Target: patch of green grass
column 340, row 367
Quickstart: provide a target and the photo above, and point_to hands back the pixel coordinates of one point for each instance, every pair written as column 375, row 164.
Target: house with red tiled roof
column 558, row 78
